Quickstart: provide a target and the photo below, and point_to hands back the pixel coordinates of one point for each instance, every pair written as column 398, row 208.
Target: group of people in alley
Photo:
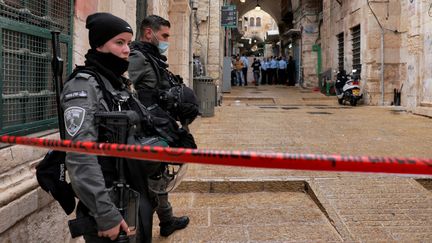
column 272, row 70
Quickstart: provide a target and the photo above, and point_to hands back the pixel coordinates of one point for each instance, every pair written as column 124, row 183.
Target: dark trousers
column 244, row 70
column 146, row 221
column 263, row 76
column 281, row 76
column 291, row 78
column 233, row 77
column 272, row 76
column 164, row 209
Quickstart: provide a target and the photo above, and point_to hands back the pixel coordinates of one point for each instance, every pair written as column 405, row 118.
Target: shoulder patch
column 83, row 75
column 76, row 94
column 74, row 118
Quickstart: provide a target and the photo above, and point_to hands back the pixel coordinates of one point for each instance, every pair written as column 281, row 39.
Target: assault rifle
column 120, row 125
column 51, row 170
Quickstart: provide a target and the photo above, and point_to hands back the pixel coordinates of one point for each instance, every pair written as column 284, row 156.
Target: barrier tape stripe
column 236, row 158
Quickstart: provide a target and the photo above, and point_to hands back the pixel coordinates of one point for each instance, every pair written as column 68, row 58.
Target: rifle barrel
column 57, row 70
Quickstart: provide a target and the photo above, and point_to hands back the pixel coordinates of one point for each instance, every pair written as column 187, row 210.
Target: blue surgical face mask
column 162, row 45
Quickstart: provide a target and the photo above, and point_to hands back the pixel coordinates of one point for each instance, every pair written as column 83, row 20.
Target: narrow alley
column 233, row 204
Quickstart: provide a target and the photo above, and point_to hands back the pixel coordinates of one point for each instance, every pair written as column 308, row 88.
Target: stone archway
column 276, row 8
column 280, row 10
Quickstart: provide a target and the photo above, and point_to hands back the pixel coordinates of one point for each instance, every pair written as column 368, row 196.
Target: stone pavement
column 236, row 204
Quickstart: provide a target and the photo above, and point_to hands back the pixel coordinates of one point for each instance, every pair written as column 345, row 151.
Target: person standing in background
column 256, row 68
column 291, row 71
column 273, row 71
column 282, row 71
column 264, row 68
column 238, row 66
column 245, row 68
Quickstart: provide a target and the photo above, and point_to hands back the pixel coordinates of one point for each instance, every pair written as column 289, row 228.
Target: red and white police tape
column 236, row 158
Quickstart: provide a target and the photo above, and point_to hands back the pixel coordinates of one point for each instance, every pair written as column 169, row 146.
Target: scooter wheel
column 340, row 101
column 353, row 102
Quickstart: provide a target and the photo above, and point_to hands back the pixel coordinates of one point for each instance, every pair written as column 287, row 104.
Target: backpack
column 179, row 100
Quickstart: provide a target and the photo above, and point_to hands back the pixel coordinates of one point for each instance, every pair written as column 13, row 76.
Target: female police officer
column 81, row 98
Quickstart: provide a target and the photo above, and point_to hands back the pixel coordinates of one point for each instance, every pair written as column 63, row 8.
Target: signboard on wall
column 229, row 16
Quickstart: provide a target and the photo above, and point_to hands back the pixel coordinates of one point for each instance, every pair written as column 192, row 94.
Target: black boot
column 176, row 223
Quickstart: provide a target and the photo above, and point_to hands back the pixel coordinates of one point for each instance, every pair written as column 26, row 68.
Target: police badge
column 74, row 118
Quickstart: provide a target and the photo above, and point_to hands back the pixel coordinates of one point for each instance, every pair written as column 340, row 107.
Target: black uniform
column 166, row 97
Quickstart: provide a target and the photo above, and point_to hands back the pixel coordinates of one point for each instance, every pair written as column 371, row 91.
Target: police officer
column 83, row 96
column 149, row 73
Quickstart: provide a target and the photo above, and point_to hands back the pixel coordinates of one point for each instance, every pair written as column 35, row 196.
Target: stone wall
column 208, row 37
column 416, row 53
column 306, row 19
column 158, row 7
column 407, row 48
column 179, row 51
column 342, row 18
column 28, row 213
column 200, row 31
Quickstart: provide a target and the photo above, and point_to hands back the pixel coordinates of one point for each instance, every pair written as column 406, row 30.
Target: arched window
column 252, row 21
column 258, row 22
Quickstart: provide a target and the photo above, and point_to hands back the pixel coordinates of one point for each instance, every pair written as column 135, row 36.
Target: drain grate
column 268, row 107
column 290, row 108
column 331, row 107
column 249, row 100
column 426, row 183
column 319, row 113
column 321, row 105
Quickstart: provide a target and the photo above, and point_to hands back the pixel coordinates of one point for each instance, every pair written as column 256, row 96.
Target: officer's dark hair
column 153, row 22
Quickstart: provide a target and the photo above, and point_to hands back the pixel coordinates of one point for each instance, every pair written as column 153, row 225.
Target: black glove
column 185, row 140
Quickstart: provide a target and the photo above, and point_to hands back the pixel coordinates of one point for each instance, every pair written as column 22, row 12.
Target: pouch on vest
column 51, row 176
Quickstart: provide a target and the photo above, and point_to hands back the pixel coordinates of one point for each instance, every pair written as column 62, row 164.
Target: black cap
column 104, row 26
column 50, row 173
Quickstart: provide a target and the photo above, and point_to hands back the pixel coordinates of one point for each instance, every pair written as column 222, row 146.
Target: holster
column 82, row 226
column 85, row 224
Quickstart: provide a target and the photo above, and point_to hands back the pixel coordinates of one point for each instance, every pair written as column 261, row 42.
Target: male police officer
column 148, row 71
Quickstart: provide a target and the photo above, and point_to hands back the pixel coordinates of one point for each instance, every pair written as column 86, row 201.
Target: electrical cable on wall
column 376, row 17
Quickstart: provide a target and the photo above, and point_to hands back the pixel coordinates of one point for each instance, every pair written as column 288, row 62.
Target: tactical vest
column 144, row 133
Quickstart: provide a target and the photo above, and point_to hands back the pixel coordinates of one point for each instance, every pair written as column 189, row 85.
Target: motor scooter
column 347, row 87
